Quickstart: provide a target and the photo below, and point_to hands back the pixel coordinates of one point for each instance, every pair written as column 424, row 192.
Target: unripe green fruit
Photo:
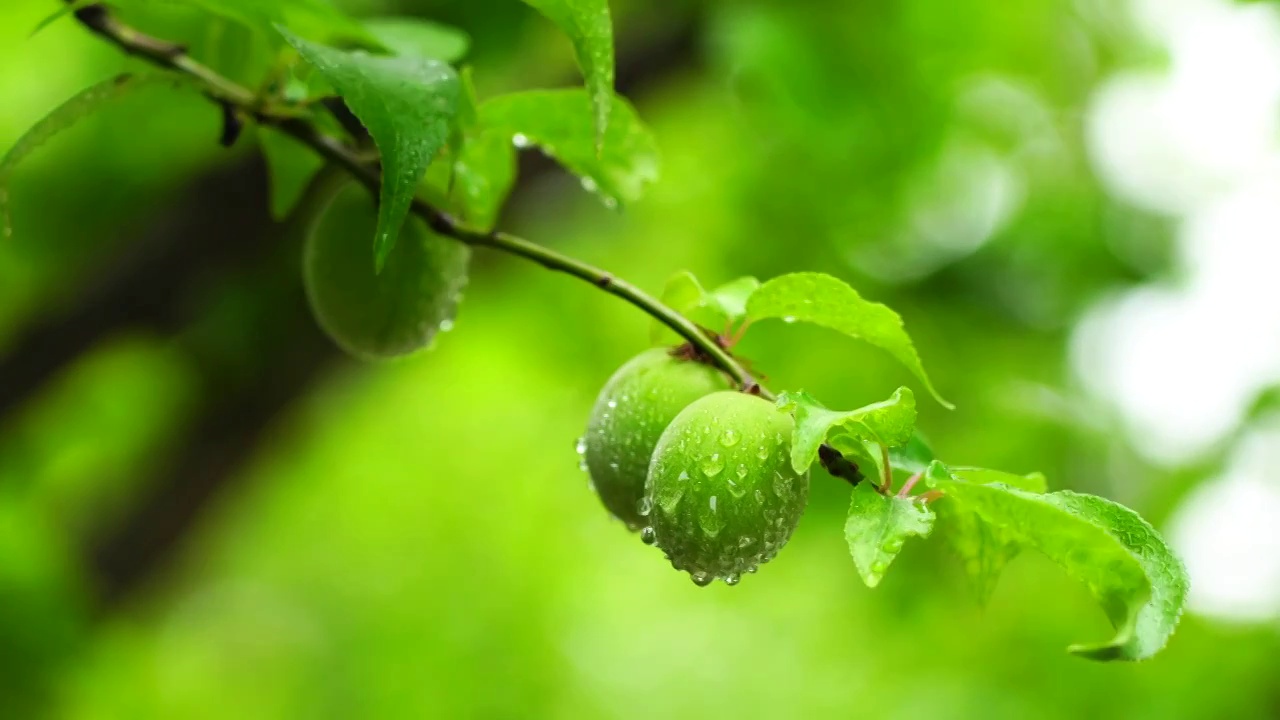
column 632, row 410
column 380, row 315
column 722, row 495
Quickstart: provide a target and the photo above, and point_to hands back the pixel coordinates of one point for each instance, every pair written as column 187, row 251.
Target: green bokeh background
column 414, row 539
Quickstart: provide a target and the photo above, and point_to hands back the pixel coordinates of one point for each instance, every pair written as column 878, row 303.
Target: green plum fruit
column 721, row 495
column 632, row 410
column 374, row 315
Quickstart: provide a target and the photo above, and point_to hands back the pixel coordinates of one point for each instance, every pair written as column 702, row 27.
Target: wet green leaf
column 590, row 29
column 713, row 309
column 877, row 527
column 406, row 104
column 1123, row 561
column 889, row 423
column 556, row 122
column 982, row 547
column 827, row 301
column 484, row 169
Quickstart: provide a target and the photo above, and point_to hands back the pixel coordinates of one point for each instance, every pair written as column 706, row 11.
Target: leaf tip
column 1102, row 653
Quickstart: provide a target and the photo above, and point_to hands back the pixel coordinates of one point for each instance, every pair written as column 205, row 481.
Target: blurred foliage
column 414, row 540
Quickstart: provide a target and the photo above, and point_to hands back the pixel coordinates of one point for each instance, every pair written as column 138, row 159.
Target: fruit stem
column 229, row 94
column 887, row 487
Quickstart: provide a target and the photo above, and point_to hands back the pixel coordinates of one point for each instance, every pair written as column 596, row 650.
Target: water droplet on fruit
column 582, row 464
column 762, row 452
column 668, row 496
column 446, row 325
column 712, row 465
column 781, row 485
column 520, row 140
column 612, row 404
column 709, row 519
column 789, row 319
column 647, row 537
column 613, row 466
column 581, row 446
column 732, row 579
column 742, row 471
column 745, row 540
column 700, row 578
column 729, row 438
column 759, row 496
column 645, row 506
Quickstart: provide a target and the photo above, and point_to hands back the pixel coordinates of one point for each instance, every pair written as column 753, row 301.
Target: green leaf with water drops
column 1031, row 482
column 61, row 118
column 829, row 302
column 889, row 423
column 484, row 168
column 1126, row 565
column 713, row 309
column 555, row 122
column 419, row 37
column 983, row 548
column 407, row 104
column 877, row 527
column 290, row 166
column 590, row 29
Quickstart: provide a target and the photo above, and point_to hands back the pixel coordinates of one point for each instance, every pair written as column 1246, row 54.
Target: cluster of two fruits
column 701, row 469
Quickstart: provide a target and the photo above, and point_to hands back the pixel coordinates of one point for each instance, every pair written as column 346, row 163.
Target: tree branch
column 232, row 96
column 227, row 93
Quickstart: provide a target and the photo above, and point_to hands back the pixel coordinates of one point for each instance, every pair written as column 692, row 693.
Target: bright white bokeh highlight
column 1182, row 360
column 1227, row 534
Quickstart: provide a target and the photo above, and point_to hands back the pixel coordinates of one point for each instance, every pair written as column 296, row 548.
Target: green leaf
column 889, row 422
column 983, row 548
column 713, row 309
column 1031, row 482
column 554, row 120
column 58, row 14
column 824, row 300
column 731, row 298
column 913, row 457
column 417, row 37
column 484, row 169
column 60, row 118
column 590, row 29
column 290, row 166
column 1124, row 562
column 406, row 104
column 877, row 527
